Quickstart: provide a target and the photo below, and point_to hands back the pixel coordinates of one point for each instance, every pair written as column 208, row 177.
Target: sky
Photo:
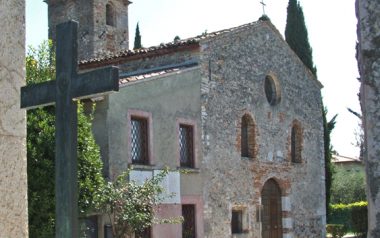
column 332, row 34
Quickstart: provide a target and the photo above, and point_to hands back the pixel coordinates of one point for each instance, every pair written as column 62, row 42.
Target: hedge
column 353, row 216
column 336, row 230
column 359, row 216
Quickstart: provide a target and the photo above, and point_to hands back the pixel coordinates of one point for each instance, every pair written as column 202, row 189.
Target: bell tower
column 103, row 24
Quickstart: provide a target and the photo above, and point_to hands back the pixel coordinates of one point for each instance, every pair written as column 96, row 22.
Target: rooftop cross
column 263, row 3
column 68, row 85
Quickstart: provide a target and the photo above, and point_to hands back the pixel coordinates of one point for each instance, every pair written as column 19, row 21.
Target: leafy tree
column 329, row 169
column 137, row 44
column 40, row 67
column 348, row 186
column 296, row 34
column 130, row 205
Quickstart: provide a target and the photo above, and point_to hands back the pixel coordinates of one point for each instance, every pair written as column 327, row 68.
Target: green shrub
column 343, row 214
column 359, row 216
column 336, row 230
column 340, row 214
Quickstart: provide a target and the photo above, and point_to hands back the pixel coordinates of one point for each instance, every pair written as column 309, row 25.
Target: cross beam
column 264, row 5
column 69, row 85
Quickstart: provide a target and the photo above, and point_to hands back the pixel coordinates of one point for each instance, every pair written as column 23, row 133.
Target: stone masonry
column 96, row 37
column 234, row 67
column 368, row 54
column 13, row 179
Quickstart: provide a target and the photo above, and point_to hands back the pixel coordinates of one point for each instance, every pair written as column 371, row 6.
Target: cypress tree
column 137, row 44
column 296, row 34
column 297, row 37
column 329, row 169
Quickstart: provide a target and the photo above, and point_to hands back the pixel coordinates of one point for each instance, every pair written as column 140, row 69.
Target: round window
column 272, row 90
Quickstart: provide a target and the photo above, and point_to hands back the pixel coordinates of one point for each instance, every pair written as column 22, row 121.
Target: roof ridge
column 163, row 46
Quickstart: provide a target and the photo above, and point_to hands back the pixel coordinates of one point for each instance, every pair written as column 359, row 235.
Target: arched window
column 248, row 137
column 110, row 15
column 296, row 143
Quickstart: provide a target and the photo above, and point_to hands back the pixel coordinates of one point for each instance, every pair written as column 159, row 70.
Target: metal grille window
column 139, row 140
column 186, row 146
column 188, row 225
column 237, row 222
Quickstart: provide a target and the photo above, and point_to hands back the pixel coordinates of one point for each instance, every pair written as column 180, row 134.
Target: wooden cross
column 68, row 85
column 263, row 3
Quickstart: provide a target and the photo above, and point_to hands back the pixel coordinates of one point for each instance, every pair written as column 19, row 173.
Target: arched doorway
column 271, row 218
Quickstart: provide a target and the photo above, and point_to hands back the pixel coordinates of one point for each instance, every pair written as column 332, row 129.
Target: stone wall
column 164, row 99
column 13, row 179
column 368, row 13
column 96, row 38
column 234, row 67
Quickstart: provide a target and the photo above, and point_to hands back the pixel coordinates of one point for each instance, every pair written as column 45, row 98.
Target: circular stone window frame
column 272, row 89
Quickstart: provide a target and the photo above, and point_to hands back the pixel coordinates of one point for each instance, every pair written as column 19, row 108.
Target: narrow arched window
column 110, row 15
column 248, row 137
column 296, row 143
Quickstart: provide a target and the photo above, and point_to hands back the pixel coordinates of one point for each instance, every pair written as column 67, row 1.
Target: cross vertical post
column 69, row 85
column 263, row 3
column 66, row 165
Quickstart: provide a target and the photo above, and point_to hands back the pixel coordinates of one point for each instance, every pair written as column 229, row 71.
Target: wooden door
column 272, row 213
column 188, row 225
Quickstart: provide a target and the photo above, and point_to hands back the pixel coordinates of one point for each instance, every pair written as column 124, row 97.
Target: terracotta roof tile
column 130, row 79
column 171, row 45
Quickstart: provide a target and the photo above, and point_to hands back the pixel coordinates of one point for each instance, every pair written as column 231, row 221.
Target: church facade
column 236, row 108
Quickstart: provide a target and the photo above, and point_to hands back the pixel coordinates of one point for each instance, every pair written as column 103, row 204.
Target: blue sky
column 332, row 34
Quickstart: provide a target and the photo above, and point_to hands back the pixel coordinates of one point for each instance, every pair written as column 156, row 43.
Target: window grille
column 186, row 146
column 139, row 140
column 188, row 225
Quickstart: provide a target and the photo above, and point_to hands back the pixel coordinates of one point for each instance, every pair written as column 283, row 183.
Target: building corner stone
column 13, row 170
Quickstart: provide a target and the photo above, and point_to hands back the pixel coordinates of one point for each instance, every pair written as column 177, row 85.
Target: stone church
column 236, row 108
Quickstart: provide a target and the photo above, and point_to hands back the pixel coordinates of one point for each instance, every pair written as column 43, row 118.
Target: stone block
column 13, row 187
column 286, row 205
column 12, row 118
column 287, row 223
